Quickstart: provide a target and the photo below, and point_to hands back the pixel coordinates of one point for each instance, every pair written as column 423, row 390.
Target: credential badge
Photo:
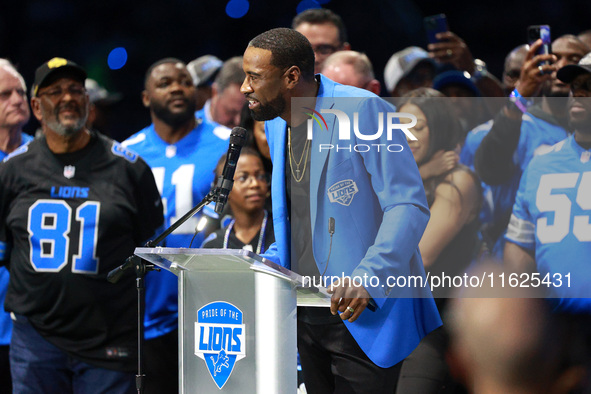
column 343, row 192
column 69, row 171
column 220, row 339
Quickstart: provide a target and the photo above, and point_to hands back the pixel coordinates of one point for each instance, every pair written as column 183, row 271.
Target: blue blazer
column 378, row 203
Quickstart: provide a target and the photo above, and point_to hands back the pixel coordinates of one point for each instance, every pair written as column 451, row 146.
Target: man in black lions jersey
column 73, row 204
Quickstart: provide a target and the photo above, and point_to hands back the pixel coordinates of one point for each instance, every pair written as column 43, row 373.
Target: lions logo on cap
column 343, row 192
column 220, row 339
column 57, row 62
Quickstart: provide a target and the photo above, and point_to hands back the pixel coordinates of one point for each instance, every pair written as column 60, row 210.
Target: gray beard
column 66, row 131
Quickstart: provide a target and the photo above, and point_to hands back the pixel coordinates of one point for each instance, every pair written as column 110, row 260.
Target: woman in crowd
column 450, row 241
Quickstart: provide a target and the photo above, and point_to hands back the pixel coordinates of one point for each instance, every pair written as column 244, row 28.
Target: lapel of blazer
column 279, row 138
column 325, row 100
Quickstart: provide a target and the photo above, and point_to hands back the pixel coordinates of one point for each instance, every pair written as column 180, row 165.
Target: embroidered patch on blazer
column 342, row 192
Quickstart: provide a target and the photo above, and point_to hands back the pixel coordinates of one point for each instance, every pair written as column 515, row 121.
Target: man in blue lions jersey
column 182, row 152
column 521, row 130
column 549, row 231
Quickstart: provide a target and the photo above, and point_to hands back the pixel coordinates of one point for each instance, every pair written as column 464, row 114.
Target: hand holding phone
column 449, row 48
column 539, row 62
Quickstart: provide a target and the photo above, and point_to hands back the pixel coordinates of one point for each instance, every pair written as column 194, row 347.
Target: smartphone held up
column 542, row 32
column 435, row 24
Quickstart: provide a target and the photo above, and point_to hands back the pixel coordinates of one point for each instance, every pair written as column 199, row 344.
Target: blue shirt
column 184, row 172
column 5, row 321
column 471, row 144
column 497, row 200
column 551, row 218
column 536, row 136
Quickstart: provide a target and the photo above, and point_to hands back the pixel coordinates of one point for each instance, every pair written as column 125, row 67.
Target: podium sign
column 237, row 319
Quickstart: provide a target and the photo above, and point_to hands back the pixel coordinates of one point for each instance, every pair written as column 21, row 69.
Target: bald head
column 351, row 68
column 505, row 340
column 502, row 336
column 585, row 36
column 516, row 57
column 513, row 63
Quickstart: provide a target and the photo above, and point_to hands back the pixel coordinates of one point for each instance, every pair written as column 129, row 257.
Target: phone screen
column 435, row 24
column 540, row 31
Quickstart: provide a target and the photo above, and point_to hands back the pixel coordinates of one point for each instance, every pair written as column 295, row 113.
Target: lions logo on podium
column 220, row 339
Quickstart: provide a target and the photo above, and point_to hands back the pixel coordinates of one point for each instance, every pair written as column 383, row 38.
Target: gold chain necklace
column 297, row 176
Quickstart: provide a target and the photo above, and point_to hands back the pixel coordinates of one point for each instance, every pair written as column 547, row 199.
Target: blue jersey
column 5, row 321
column 203, row 113
column 497, row 199
column 551, row 219
column 537, row 136
column 471, row 144
column 184, row 172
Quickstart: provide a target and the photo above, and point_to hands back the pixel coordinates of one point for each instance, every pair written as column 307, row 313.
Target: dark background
column 32, row 32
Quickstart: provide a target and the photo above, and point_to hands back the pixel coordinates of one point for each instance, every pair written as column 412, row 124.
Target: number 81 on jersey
column 49, row 226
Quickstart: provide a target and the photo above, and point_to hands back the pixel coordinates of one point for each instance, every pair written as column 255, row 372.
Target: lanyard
column 261, row 243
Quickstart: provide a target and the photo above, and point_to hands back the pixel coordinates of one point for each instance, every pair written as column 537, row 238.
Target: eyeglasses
column 585, row 84
column 75, row 91
column 244, row 179
column 325, row 49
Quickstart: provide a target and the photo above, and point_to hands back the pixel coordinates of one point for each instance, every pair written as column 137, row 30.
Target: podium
column 237, row 319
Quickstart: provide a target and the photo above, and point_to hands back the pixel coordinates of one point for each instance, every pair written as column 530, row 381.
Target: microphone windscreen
column 238, row 136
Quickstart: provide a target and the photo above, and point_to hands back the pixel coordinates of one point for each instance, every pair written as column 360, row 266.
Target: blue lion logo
column 222, row 361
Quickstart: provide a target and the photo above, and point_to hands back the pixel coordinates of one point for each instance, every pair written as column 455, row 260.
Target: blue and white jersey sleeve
column 521, row 227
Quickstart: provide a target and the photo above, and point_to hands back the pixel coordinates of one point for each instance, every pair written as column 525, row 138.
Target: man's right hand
column 533, row 75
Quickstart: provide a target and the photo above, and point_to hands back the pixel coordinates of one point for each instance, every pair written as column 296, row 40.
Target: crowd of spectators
column 505, row 164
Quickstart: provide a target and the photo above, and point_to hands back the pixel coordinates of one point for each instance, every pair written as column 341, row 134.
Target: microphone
column 226, row 181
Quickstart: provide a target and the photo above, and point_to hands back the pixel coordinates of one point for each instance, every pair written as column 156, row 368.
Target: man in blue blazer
column 340, row 209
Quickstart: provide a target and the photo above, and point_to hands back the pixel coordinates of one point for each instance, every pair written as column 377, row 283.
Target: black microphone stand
column 141, row 268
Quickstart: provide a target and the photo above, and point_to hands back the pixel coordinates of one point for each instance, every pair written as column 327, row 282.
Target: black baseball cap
column 53, row 67
column 567, row 74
